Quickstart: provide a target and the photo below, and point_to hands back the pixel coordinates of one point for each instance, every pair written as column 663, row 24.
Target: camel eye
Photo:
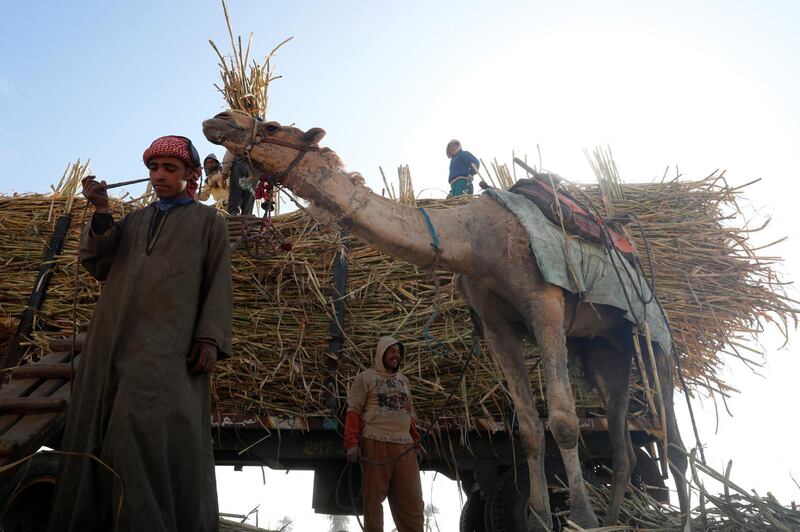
column 271, row 127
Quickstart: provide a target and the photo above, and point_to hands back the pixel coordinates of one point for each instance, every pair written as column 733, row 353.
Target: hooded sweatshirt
column 383, row 400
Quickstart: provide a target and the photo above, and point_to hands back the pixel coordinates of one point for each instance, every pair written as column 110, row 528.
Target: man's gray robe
column 134, row 404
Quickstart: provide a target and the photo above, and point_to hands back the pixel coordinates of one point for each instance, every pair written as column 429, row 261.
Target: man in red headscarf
column 140, row 402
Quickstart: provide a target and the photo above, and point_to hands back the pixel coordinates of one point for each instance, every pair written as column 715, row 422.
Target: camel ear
column 313, row 136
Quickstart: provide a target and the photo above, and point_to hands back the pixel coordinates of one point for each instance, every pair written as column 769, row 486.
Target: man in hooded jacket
column 381, row 431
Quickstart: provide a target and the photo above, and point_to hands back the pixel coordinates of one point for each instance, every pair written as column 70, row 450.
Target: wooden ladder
column 33, row 404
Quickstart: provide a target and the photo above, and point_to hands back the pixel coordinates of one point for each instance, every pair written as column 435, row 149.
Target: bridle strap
column 302, row 149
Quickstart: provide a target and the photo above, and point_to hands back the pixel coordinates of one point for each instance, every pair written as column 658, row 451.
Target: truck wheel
column 507, row 509
column 26, row 498
column 487, row 510
column 472, row 514
column 647, row 477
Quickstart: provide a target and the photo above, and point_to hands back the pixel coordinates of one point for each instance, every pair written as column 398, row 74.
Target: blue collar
column 165, row 205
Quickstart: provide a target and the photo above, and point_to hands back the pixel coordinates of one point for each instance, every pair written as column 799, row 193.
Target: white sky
column 703, row 85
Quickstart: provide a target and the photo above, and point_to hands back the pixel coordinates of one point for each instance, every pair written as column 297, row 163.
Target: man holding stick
column 138, row 427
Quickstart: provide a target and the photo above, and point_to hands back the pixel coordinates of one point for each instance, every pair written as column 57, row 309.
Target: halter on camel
column 267, row 237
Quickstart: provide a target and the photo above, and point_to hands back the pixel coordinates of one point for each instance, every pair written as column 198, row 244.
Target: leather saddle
column 577, row 219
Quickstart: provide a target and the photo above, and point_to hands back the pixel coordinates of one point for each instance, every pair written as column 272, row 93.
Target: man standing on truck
column 240, row 195
column 138, row 425
column 215, row 184
column 463, row 167
column 381, row 431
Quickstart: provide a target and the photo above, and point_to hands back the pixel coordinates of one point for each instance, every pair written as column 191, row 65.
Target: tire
column 26, row 497
column 487, row 511
column 507, row 508
column 472, row 514
column 647, row 477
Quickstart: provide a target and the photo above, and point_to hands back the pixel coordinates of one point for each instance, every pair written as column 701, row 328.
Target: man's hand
column 353, row 454
column 201, row 358
column 96, row 193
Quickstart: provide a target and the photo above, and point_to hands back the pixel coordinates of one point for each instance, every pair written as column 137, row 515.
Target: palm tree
column 339, row 523
column 286, row 524
column 430, row 517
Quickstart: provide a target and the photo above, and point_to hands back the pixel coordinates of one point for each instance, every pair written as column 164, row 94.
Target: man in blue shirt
column 463, row 166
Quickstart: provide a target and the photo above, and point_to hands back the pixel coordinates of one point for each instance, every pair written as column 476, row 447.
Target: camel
column 485, row 245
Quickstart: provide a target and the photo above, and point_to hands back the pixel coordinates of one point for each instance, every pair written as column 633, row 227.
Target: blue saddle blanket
column 585, row 268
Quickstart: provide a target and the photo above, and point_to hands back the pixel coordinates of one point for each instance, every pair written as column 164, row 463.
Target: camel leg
column 505, row 343
column 610, row 371
column 506, row 346
column 546, row 319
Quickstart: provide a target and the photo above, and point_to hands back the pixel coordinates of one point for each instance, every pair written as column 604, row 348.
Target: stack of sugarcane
column 714, row 286
column 283, row 312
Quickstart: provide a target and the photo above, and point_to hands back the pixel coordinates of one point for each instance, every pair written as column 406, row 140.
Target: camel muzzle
column 218, row 130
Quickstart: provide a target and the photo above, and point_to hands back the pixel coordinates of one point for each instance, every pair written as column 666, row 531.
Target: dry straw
column 724, row 506
column 245, row 81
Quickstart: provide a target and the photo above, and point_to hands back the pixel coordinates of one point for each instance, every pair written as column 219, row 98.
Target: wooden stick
column 42, row 371
column 31, row 405
column 662, row 409
column 643, row 372
column 123, row 183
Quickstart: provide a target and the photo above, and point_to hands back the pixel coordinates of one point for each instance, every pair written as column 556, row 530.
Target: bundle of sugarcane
column 25, row 228
column 405, row 186
column 717, row 286
column 734, row 509
column 245, row 82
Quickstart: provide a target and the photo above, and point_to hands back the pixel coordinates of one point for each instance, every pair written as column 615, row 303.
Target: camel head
column 273, row 147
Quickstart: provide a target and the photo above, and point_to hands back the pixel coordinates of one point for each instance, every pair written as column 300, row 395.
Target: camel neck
column 398, row 230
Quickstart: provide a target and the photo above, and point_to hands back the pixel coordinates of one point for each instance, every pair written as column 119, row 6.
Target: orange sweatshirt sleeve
column 353, row 426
